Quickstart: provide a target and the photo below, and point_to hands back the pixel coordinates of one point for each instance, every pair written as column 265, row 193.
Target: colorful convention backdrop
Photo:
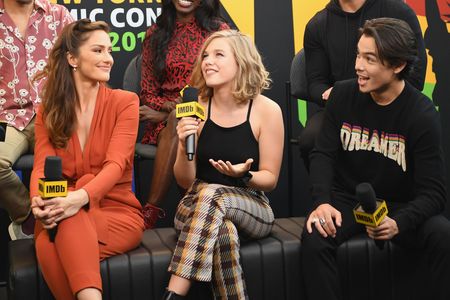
column 277, row 28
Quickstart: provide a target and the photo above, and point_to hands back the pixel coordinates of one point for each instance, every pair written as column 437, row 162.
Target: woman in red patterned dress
column 169, row 51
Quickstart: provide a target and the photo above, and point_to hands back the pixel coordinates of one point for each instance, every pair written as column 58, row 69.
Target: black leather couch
column 368, row 273
column 271, row 266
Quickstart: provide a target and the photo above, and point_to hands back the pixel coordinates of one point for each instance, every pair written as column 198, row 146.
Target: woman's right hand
column 46, row 214
column 187, row 126
column 69, row 205
column 148, row 114
column 236, row 171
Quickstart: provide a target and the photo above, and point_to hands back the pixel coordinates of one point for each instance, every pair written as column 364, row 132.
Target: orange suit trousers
column 72, row 262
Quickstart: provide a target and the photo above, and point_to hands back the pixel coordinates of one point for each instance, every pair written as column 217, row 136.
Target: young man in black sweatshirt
column 330, row 51
column 379, row 129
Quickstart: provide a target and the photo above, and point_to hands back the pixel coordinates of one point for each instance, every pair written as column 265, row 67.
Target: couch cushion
column 271, row 266
column 368, row 272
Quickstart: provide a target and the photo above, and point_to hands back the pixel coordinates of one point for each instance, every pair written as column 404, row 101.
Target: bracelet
column 244, row 179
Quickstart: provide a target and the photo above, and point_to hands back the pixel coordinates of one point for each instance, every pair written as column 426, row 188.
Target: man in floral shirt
column 28, row 30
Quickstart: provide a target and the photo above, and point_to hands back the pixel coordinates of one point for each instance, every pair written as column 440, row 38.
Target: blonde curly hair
column 251, row 78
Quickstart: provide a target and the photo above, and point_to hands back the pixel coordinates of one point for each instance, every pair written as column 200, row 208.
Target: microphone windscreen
column 365, row 195
column 53, row 168
column 190, row 94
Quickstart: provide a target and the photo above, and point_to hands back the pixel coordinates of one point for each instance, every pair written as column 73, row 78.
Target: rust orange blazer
column 108, row 154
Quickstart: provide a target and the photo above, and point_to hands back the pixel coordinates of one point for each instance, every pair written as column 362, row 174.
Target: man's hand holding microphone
column 373, row 213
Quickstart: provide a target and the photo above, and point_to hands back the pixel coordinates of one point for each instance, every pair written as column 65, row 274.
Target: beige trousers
column 14, row 196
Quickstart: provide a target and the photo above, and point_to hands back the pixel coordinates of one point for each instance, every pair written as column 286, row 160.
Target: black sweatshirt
column 397, row 148
column 331, row 39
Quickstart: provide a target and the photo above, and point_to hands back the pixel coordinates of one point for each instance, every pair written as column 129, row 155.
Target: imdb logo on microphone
column 371, row 219
column 53, row 188
column 190, row 109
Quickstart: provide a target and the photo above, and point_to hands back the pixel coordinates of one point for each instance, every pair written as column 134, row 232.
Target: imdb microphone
column 53, row 184
column 190, row 108
column 370, row 211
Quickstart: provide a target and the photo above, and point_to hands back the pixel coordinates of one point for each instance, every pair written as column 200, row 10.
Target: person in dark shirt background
column 437, row 41
column 379, row 129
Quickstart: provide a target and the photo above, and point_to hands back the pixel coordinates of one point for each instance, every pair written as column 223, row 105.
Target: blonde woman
column 239, row 155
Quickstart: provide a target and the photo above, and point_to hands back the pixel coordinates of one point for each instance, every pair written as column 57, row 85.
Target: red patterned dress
column 183, row 49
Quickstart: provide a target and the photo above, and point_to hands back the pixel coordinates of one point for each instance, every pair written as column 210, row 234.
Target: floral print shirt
column 21, row 57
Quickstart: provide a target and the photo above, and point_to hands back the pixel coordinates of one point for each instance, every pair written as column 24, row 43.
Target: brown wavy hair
column 59, row 95
column 251, row 78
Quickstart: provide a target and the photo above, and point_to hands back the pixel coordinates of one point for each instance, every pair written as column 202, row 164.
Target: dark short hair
column 395, row 41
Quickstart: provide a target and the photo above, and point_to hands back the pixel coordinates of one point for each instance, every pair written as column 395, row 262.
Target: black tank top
column 235, row 144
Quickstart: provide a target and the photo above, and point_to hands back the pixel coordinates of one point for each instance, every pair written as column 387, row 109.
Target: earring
column 74, row 68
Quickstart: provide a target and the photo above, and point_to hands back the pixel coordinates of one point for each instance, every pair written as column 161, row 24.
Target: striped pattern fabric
column 210, row 218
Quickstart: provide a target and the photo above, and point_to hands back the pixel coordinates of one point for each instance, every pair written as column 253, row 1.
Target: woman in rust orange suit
column 93, row 129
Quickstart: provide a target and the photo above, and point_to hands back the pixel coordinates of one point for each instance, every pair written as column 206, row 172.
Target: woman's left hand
column 70, row 204
column 237, row 170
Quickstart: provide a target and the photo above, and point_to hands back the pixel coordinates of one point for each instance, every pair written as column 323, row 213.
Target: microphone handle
column 190, row 146
column 52, row 234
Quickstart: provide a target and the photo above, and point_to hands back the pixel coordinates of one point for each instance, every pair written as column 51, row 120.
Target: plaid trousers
column 209, row 218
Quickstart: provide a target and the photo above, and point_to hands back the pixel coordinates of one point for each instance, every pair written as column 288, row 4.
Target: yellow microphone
column 190, row 108
column 369, row 211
